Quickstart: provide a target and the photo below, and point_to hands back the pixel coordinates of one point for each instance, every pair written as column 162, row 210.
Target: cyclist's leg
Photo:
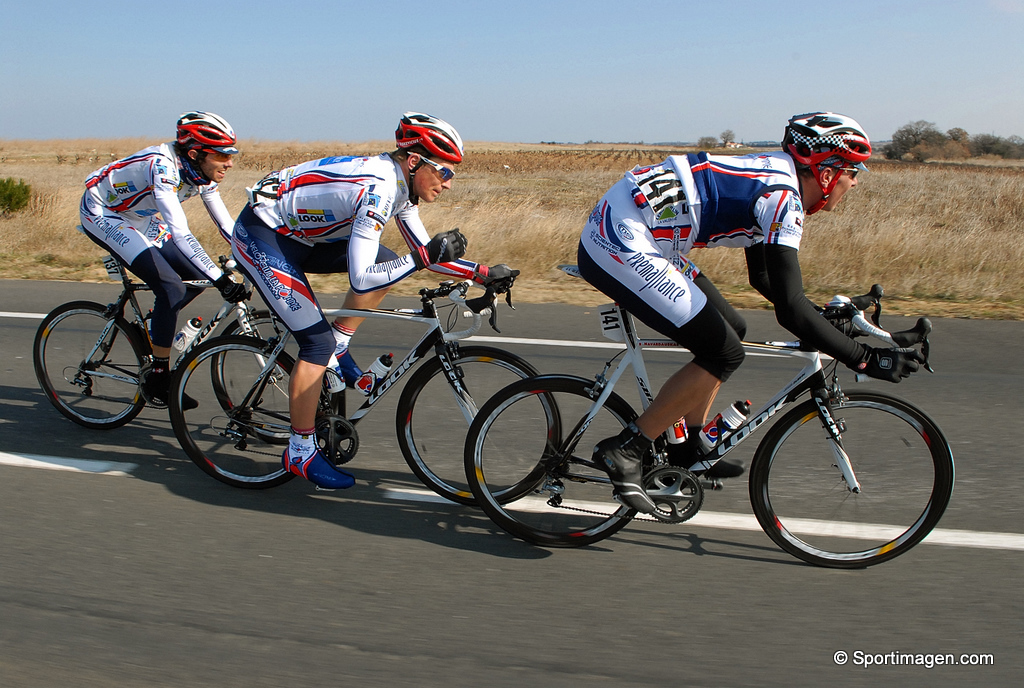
column 274, row 264
column 330, row 262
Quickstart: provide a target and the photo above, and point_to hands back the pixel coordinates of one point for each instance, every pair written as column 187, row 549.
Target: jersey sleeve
column 780, row 216
column 218, row 211
column 364, row 272
column 165, row 195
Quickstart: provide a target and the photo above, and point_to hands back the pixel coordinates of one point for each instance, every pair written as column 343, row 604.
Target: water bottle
column 726, row 421
column 335, row 381
column 677, row 433
column 377, row 371
column 187, row 333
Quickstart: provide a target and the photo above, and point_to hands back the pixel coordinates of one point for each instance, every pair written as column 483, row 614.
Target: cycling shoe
column 318, row 470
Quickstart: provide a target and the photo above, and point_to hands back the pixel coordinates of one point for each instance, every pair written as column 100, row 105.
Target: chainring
column 677, row 493
column 337, row 438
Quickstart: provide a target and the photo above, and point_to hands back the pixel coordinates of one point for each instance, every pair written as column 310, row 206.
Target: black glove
column 891, row 365
column 443, row 248
column 498, row 277
column 231, row 291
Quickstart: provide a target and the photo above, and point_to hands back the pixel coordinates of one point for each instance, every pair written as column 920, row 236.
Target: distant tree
column 959, row 135
column 910, row 136
column 707, row 142
column 990, row 144
column 727, row 137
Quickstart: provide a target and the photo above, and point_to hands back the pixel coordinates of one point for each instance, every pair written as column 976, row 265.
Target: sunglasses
column 446, row 174
column 852, row 170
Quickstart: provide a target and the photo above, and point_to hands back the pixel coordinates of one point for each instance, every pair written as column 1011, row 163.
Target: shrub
column 14, row 195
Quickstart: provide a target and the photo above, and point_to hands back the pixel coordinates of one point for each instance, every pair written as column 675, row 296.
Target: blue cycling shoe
column 318, row 470
column 349, row 370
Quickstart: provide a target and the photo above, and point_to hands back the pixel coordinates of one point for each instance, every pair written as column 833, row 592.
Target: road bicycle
column 240, row 443
column 90, row 358
column 845, row 479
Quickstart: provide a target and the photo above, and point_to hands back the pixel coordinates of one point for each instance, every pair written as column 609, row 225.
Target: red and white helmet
column 206, row 131
column 821, row 140
column 815, row 137
column 437, row 136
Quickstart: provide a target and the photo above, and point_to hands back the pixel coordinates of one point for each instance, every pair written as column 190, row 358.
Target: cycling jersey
column 350, row 199
column 122, row 200
column 639, row 234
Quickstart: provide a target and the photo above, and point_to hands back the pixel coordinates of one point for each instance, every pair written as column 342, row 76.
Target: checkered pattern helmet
column 437, row 136
column 818, row 137
column 206, row 131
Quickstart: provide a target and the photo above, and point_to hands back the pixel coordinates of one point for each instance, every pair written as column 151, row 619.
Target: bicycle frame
column 618, row 325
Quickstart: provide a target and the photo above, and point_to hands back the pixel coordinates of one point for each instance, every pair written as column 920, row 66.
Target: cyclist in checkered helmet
column 634, row 249
column 132, row 208
column 327, row 216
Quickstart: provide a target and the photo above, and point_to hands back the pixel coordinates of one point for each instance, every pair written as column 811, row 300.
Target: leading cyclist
column 326, row 216
column 132, row 208
column 633, row 249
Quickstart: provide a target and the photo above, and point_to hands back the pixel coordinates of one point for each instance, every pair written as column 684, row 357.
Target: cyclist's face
column 216, row 165
column 847, row 180
column 428, row 181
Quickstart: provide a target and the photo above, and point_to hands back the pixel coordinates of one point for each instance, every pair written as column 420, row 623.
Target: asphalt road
column 163, row 577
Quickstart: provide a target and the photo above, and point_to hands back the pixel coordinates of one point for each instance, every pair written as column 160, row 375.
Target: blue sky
column 656, row 70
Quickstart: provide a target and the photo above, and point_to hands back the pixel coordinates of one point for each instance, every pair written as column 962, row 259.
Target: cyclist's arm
column 415, row 235
column 757, row 271
column 796, row 313
column 165, row 195
column 218, row 211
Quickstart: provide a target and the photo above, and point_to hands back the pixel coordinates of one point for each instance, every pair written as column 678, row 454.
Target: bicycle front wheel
column 88, row 365
column 900, row 458
column 241, row 426
column 528, row 461
column 433, row 416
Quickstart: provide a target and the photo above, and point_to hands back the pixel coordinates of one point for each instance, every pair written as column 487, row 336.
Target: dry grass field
column 942, row 239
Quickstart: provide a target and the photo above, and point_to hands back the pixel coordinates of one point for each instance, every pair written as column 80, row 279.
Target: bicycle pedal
column 712, row 484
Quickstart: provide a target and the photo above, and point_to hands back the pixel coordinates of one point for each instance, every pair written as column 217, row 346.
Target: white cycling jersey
column 122, row 201
column 641, row 230
column 350, row 198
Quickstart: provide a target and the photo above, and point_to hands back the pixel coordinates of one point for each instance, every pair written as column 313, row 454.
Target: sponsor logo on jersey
column 660, row 280
column 668, row 214
column 315, row 215
column 145, row 213
column 376, row 218
column 159, row 169
column 624, row 232
column 279, row 290
column 595, row 217
column 123, row 188
column 372, row 200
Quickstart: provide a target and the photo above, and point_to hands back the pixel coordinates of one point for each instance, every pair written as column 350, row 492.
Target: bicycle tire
column 518, row 448
column 238, row 444
column 98, row 390
column 901, row 459
column 265, row 327
column 433, row 446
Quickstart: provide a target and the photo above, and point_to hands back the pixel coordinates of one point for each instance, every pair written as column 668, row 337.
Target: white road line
column 29, row 316
column 58, row 463
column 714, row 519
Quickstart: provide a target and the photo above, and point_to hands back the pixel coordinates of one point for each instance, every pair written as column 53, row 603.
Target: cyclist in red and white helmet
column 635, row 245
column 327, row 216
column 132, row 208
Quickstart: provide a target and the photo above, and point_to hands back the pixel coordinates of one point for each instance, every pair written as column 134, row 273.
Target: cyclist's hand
column 891, row 365
column 447, row 246
column 498, row 277
column 231, row 291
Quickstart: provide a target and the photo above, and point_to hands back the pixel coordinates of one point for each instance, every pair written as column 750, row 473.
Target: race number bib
column 660, row 196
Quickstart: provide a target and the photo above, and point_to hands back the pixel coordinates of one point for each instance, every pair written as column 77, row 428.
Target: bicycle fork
column 834, row 431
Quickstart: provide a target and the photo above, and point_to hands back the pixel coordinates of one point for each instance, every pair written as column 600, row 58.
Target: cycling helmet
column 207, row 132
column 819, row 140
column 815, row 137
column 437, row 136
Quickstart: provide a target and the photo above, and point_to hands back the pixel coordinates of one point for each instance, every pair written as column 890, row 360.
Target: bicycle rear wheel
column 902, row 462
column 241, row 425
column 432, row 420
column 88, row 365
column 528, row 461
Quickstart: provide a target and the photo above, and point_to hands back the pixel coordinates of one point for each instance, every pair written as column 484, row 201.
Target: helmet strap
column 825, row 191
column 193, row 170
column 413, row 198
